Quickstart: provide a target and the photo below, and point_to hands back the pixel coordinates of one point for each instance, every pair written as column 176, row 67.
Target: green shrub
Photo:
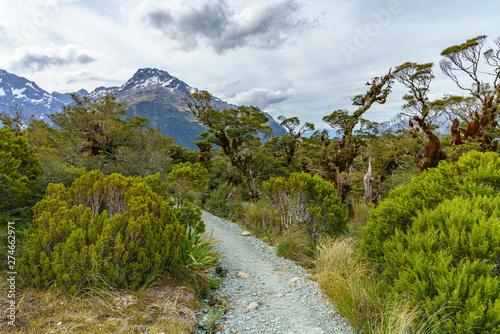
column 450, row 257
column 350, row 280
column 225, row 201
column 309, row 201
column 439, row 239
column 474, row 173
column 19, row 168
column 108, row 229
column 190, row 216
column 185, row 178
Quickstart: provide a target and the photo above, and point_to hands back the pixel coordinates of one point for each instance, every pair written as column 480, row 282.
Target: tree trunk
column 250, row 183
column 368, row 183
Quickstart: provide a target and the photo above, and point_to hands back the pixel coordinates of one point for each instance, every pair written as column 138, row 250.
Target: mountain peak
column 152, row 78
column 151, row 72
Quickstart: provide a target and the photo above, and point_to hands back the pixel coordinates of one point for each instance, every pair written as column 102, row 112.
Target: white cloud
column 40, row 58
column 262, row 97
column 222, row 87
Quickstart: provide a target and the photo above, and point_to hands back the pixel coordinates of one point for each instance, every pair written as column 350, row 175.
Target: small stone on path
column 246, row 234
column 293, row 281
column 252, row 306
column 242, row 274
column 278, row 295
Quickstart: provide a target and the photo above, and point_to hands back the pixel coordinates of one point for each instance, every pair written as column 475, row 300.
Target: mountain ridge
column 151, row 93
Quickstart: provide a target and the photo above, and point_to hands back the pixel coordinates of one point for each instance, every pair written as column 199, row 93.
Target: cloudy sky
column 291, row 57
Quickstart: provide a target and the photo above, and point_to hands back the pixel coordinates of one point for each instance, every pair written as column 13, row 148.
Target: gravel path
column 283, row 296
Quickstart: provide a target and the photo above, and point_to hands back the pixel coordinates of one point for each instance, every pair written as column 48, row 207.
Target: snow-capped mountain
column 146, row 79
column 159, row 96
column 151, row 78
column 150, row 93
column 28, row 96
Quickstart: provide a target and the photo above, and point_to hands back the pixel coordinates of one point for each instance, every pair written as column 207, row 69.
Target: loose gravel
column 267, row 293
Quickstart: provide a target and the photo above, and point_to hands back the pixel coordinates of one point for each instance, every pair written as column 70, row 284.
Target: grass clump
column 297, row 245
column 225, row 201
column 160, row 307
column 360, row 296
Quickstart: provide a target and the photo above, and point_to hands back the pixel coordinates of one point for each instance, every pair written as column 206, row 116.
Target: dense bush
column 439, row 239
column 309, row 201
column 225, row 201
column 185, row 178
column 190, row 216
column 108, row 229
column 449, row 261
column 474, row 173
column 19, row 169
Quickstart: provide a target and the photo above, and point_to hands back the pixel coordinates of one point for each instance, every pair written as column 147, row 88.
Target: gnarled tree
column 417, row 78
column 465, row 59
column 339, row 154
column 100, row 139
column 236, row 131
column 288, row 143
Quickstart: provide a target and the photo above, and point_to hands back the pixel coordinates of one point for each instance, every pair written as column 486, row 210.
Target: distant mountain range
column 150, row 93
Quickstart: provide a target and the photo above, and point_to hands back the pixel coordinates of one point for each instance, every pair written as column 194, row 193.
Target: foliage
column 296, row 244
column 309, row 201
column 190, row 217
column 102, row 228
column 338, row 155
column 449, row 257
column 16, row 120
column 19, row 169
column 288, row 143
column 56, row 154
column 172, row 310
column 474, row 173
column 351, row 281
column 236, row 131
column 179, row 153
column 261, row 215
column 187, row 177
column 197, row 252
column 417, row 78
column 95, row 136
column 221, row 171
column 271, row 160
column 225, row 201
column 437, row 238
column 465, row 60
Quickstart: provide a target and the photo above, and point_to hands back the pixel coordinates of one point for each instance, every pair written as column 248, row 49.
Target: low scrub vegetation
column 402, row 226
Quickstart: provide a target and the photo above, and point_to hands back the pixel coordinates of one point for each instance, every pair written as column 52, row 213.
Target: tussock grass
column 360, row 296
column 160, row 308
column 297, row 245
column 261, row 216
column 361, row 215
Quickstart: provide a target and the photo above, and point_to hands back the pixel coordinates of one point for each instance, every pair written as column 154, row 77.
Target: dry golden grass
column 351, row 283
column 155, row 309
